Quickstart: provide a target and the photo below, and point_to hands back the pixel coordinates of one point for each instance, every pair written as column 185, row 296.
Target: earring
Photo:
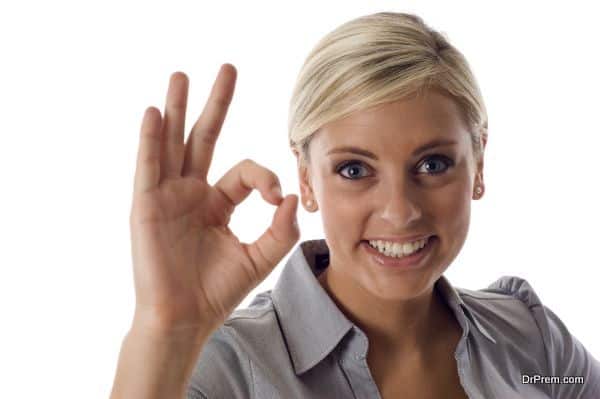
column 309, row 203
column 478, row 190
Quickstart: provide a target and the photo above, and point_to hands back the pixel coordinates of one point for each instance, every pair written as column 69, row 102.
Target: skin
column 405, row 320
column 190, row 270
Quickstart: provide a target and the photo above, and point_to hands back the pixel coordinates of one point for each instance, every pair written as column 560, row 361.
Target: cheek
column 453, row 212
column 453, row 201
column 343, row 216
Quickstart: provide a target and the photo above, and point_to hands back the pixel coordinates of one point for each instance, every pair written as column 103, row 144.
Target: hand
column 190, row 270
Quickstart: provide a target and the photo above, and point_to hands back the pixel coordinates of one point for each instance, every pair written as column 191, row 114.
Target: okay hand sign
column 190, row 269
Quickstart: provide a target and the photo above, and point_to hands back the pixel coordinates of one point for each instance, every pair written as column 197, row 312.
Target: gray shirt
column 294, row 342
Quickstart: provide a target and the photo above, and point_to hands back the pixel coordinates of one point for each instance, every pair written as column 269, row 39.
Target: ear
column 306, row 192
column 479, row 172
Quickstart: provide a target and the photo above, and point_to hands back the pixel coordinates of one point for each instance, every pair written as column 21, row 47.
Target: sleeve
column 222, row 369
column 566, row 355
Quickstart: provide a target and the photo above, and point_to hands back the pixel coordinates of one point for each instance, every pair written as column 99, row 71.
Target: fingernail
column 277, row 191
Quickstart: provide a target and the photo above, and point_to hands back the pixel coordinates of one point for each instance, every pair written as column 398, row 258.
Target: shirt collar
column 311, row 322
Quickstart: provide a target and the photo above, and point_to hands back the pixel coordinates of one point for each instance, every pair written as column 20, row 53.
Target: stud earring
column 478, row 190
column 309, row 203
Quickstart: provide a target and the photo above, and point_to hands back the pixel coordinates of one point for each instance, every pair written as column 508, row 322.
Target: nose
column 401, row 207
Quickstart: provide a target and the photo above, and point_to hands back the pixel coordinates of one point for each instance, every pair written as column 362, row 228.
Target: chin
column 400, row 292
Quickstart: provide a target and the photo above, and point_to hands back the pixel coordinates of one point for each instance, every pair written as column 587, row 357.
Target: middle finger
column 203, row 137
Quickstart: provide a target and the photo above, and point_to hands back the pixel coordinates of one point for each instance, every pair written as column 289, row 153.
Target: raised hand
column 190, row 270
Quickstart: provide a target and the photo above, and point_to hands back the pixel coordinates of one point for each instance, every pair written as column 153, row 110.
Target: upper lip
column 400, row 239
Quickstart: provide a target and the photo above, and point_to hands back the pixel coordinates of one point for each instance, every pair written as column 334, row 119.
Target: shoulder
column 514, row 300
column 515, row 287
column 512, row 308
column 513, row 305
column 505, row 309
column 225, row 365
column 507, row 305
column 504, row 288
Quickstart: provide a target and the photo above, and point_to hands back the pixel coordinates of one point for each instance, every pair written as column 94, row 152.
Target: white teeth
column 398, row 250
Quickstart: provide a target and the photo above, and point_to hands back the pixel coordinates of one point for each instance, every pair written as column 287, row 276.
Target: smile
column 398, row 250
column 415, row 256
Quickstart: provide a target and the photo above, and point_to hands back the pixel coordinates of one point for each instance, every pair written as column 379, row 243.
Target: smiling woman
column 389, row 130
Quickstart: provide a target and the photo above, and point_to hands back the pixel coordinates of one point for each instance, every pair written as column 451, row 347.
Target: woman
column 389, row 129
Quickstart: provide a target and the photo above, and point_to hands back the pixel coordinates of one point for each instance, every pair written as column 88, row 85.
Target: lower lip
column 412, row 261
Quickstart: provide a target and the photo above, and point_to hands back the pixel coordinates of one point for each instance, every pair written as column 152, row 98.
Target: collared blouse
column 294, row 342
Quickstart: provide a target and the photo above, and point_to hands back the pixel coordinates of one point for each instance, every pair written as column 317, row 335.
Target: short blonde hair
column 375, row 59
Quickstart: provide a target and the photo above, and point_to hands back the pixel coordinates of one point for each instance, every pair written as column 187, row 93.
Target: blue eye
column 434, row 165
column 353, row 164
column 437, row 164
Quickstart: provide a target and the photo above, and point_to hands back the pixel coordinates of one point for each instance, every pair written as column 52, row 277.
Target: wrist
column 147, row 323
column 156, row 364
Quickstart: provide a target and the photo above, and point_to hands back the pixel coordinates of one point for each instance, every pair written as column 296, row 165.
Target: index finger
column 147, row 171
column 203, row 137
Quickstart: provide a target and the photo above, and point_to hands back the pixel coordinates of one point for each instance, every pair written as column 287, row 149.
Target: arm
column 155, row 365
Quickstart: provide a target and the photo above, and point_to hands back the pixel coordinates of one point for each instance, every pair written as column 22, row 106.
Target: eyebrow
column 369, row 154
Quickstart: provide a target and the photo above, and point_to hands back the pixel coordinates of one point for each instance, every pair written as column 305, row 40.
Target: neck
column 400, row 327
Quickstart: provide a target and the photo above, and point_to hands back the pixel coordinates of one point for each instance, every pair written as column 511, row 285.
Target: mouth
column 389, row 260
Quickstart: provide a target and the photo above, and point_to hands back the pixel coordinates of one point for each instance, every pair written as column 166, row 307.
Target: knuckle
column 265, row 261
column 221, row 102
column 230, row 205
column 274, row 237
column 177, row 105
column 274, row 178
column 264, row 172
column 261, row 174
column 208, row 134
column 247, row 163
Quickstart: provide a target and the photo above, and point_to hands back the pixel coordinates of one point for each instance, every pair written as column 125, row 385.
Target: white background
column 76, row 77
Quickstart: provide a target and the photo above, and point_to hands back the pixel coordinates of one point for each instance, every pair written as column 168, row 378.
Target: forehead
column 409, row 122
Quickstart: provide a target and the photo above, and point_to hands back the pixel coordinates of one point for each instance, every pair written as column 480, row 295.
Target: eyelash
column 449, row 163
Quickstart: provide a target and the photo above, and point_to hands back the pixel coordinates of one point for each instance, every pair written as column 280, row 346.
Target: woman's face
column 404, row 192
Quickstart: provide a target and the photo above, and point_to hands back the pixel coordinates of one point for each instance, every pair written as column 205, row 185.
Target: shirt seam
column 233, row 318
column 495, row 291
column 252, row 388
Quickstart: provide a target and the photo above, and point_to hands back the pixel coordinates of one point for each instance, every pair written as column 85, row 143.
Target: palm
column 182, row 225
column 189, row 268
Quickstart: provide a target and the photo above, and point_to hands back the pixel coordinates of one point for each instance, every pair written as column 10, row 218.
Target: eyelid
column 345, row 164
column 446, row 159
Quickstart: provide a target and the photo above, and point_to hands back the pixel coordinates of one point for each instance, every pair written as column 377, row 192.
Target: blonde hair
column 375, row 59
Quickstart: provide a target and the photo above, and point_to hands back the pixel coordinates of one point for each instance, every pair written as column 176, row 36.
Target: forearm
column 156, row 366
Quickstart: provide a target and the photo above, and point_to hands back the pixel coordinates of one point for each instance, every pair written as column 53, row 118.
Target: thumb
column 278, row 239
